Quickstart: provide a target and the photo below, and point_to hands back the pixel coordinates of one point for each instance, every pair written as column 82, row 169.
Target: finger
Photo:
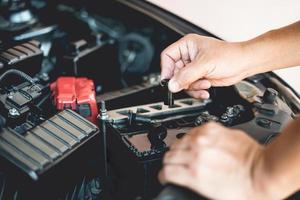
column 176, row 174
column 201, row 84
column 167, row 66
column 179, row 64
column 169, row 57
column 186, row 76
column 198, row 136
column 200, row 94
column 184, row 51
column 192, row 49
column 178, row 157
column 182, row 144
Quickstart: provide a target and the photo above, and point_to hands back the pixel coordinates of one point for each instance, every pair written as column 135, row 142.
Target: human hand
column 195, row 63
column 217, row 162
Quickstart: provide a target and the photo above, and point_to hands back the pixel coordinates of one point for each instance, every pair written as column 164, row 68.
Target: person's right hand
column 219, row 163
column 195, row 63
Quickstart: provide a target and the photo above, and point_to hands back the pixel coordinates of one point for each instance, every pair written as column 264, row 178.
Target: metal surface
column 149, row 82
column 219, row 19
column 170, row 20
column 157, row 109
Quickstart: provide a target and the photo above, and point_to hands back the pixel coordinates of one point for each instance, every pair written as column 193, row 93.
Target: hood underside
column 235, row 20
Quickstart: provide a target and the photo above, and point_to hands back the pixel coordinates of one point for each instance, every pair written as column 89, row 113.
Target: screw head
column 14, row 112
column 10, row 95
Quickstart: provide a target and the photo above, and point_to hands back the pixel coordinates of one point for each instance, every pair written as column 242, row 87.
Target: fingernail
column 174, row 86
column 204, row 96
column 165, row 75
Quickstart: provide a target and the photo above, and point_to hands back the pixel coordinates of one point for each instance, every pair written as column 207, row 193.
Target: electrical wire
column 18, row 73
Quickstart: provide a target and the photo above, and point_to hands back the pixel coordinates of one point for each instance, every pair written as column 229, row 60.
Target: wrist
column 244, row 59
column 268, row 183
column 258, row 54
column 261, row 181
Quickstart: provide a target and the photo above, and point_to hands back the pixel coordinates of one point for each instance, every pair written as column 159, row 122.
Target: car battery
column 77, row 94
column 93, row 57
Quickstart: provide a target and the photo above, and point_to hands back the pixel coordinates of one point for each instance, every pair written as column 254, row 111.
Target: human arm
column 195, row 63
column 222, row 163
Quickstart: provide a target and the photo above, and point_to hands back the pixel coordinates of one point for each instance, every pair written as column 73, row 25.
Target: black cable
column 18, row 73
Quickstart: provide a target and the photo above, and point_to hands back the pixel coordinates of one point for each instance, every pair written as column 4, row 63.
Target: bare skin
column 196, row 62
column 218, row 162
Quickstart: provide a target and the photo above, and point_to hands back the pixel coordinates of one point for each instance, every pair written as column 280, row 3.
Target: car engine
column 84, row 114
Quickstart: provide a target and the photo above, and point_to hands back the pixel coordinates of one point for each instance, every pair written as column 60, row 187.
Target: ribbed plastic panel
column 47, row 144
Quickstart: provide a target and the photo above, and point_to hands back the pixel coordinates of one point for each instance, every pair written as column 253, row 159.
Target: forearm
column 279, row 167
column 273, row 50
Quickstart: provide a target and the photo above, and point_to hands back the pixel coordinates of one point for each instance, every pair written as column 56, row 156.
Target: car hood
column 235, row 20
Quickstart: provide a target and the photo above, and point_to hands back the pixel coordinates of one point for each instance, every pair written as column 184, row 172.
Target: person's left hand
column 217, row 162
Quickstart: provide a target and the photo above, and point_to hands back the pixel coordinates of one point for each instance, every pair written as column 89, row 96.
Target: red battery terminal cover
column 77, row 94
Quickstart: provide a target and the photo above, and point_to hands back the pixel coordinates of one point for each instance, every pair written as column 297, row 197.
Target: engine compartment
column 82, row 109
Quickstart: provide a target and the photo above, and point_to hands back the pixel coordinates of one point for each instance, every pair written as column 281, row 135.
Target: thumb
column 186, row 76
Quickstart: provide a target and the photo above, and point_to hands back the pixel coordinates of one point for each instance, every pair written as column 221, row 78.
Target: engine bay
column 83, row 112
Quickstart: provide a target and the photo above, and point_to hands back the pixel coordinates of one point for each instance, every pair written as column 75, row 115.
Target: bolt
column 44, row 76
column 14, row 112
column 10, row 95
column 103, row 107
column 230, row 111
column 224, row 117
column 169, row 100
column 199, row 121
column 103, row 111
